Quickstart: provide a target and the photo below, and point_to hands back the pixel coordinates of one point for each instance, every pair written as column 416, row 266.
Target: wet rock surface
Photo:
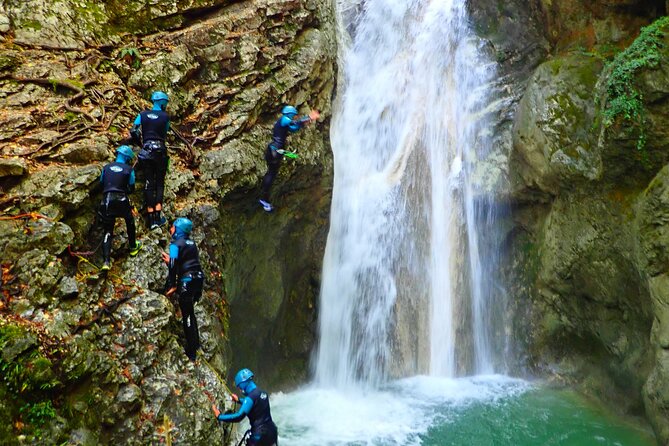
column 586, row 182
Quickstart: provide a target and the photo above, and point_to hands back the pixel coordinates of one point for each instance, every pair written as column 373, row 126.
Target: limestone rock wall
column 587, row 150
column 99, row 359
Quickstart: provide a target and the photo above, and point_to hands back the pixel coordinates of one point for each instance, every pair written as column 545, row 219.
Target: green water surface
column 541, row 416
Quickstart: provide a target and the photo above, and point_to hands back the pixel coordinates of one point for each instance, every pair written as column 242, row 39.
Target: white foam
column 395, row 415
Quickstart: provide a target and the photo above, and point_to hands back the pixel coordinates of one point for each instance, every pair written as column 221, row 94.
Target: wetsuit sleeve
column 172, row 273
column 135, row 132
column 102, row 177
column 238, row 416
column 293, row 126
column 131, row 182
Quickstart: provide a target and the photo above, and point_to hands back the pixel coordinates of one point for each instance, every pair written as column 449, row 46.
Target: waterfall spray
column 403, row 287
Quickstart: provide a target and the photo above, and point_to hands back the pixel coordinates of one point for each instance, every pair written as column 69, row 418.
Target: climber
column 255, row 405
column 289, row 122
column 150, row 131
column 185, row 277
column 118, row 180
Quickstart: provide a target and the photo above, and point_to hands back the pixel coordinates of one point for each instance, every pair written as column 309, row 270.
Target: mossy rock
column 553, row 142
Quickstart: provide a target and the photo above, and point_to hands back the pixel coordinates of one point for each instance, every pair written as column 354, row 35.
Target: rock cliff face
column 582, row 152
column 88, row 359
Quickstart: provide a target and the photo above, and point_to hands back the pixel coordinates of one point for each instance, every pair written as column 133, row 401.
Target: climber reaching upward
column 118, row 180
column 150, row 131
column 288, row 123
column 255, row 406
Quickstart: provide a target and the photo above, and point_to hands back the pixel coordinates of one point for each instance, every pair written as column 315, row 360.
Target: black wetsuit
column 153, row 156
column 282, row 128
column 118, row 181
column 263, row 429
column 185, row 272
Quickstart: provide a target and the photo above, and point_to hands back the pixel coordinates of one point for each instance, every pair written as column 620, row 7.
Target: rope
column 233, row 428
column 246, row 434
column 83, row 253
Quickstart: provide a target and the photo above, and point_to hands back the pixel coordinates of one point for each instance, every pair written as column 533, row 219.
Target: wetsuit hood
column 247, row 386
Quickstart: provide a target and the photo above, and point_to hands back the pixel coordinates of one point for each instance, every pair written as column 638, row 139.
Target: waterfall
column 406, row 275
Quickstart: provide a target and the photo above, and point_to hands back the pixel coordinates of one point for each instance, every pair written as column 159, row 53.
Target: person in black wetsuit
column 150, row 131
column 118, row 180
column 288, row 123
column 255, row 406
column 185, row 277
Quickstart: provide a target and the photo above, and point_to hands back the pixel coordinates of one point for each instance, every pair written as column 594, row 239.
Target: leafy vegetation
column 625, row 101
column 38, row 414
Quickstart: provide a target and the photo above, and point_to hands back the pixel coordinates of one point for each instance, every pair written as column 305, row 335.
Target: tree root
column 191, row 153
column 106, row 310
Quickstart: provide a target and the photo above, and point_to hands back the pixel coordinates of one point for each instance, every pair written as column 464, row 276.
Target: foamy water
column 398, row 414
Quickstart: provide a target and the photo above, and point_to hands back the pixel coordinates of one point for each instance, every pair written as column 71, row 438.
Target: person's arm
column 238, row 416
column 171, row 284
column 293, row 126
column 131, row 182
column 135, row 133
column 102, row 177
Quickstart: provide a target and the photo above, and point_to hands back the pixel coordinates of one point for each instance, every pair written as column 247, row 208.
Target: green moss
column 624, row 101
column 8, row 62
column 32, row 24
column 24, row 369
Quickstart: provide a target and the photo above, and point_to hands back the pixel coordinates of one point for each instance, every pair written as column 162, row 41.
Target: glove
column 135, row 136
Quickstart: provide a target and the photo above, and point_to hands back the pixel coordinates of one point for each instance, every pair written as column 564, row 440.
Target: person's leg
column 150, row 188
column 133, row 245
column 108, row 231
column 273, row 160
column 108, row 221
column 161, row 172
column 188, row 319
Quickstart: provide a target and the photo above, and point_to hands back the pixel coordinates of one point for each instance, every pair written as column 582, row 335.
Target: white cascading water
column 403, row 238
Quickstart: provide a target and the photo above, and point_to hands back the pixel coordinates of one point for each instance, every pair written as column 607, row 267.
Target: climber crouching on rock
column 255, row 406
column 150, row 131
column 288, row 123
column 186, row 279
column 118, row 180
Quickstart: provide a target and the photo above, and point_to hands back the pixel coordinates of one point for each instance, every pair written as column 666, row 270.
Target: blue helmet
column 126, row 151
column 289, row 111
column 159, row 96
column 242, row 376
column 184, row 225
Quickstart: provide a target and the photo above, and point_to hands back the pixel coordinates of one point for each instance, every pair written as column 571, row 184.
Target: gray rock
column 33, row 234
column 67, row 187
column 86, row 150
column 552, row 137
column 40, row 271
column 129, row 397
column 68, row 287
column 12, row 167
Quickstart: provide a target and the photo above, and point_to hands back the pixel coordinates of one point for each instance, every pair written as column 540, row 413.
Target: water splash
column 404, row 283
